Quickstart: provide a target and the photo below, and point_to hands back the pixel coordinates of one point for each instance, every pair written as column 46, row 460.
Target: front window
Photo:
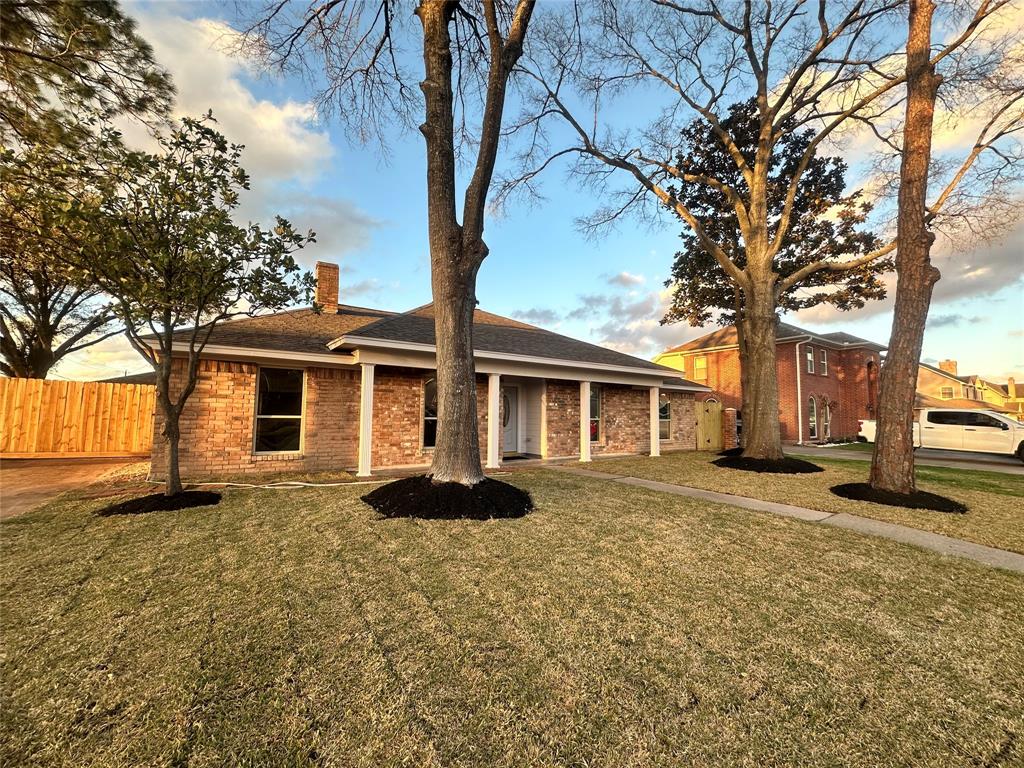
column 700, row 369
column 812, row 418
column 810, row 359
column 664, row 418
column 429, row 413
column 946, row 393
column 279, row 410
column 824, row 362
column 595, row 413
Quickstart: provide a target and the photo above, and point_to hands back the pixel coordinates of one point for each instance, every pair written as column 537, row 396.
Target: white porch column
column 365, row 419
column 493, row 420
column 655, row 421
column 584, row 421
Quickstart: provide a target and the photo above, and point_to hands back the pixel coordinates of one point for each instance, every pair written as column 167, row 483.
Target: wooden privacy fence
column 43, row 418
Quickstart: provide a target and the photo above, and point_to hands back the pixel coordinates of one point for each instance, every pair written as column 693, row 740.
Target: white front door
column 510, row 419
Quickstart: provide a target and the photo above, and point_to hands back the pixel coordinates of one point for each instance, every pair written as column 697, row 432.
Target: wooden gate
column 44, row 418
column 709, row 426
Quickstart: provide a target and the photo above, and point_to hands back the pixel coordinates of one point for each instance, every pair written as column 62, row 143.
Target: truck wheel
column 1020, row 451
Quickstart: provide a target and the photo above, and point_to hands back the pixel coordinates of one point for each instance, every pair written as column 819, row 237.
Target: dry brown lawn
column 614, row 626
column 995, row 500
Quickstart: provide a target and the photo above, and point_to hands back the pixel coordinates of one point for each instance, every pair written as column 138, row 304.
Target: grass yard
column 995, row 500
column 615, row 626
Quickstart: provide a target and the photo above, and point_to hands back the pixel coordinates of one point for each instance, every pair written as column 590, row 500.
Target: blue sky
column 370, row 216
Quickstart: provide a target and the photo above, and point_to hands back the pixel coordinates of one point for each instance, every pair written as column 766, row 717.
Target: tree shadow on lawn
column 158, row 502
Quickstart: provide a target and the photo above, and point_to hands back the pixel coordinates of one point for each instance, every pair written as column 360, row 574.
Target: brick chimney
column 1011, row 388
column 327, row 286
column 949, row 366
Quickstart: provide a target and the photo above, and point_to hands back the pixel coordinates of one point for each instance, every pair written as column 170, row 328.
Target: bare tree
column 823, row 66
column 892, row 463
column 356, row 52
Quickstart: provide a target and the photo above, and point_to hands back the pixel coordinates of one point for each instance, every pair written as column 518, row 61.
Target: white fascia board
column 484, row 354
column 222, row 352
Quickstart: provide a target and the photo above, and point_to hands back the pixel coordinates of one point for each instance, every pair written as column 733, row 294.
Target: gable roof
column 922, row 400
column 494, row 333
column 293, row 330
column 947, row 374
column 305, row 331
column 726, row 337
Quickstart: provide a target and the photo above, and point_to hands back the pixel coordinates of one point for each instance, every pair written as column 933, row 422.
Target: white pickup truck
column 963, row 430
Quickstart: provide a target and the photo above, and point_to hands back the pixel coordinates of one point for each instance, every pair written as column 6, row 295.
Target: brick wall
column 562, row 404
column 218, row 423
column 625, row 420
column 684, row 423
column 845, row 387
column 219, row 419
column 397, row 415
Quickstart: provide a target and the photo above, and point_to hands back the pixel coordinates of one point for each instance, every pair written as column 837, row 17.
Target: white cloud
column 625, row 280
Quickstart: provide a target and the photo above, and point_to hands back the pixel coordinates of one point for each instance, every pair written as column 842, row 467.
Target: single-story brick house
column 827, row 381
column 353, row 388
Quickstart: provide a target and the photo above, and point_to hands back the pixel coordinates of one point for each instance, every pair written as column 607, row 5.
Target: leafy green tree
column 65, row 63
column 825, row 226
column 175, row 264
column 44, row 314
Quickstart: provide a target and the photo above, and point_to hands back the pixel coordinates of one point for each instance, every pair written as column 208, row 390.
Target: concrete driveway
column 927, row 457
column 27, row 483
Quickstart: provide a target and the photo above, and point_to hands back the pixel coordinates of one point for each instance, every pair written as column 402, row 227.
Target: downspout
column 799, row 396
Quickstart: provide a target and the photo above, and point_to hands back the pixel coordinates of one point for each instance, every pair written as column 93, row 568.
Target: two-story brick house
column 354, row 388
column 827, row 382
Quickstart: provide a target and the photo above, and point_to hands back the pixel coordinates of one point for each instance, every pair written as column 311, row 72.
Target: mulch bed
column 158, row 502
column 916, row 500
column 421, row 497
column 787, row 465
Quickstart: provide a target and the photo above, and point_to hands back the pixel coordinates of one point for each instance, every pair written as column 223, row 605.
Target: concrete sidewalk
column 944, row 545
column 27, row 483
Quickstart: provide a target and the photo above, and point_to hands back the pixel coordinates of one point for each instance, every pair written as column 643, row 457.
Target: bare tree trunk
column 763, row 438
column 172, row 434
column 457, row 452
column 892, row 464
column 741, row 346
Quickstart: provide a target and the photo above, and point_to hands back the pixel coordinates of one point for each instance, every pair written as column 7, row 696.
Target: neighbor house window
column 429, row 413
column 810, row 359
column 946, row 393
column 595, row 413
column 279, row 410
column 826, row 420
column 812, row 418
column 664, row 418
column 824, row 362
column 700, row 369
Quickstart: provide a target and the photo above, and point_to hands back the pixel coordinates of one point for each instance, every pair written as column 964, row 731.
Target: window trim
column 812, row 418
column 824, row 361
column 695, row 376
column 302, row 414
column 597, row 389
column 810, row 359
column 423, row 415
column 668, row 402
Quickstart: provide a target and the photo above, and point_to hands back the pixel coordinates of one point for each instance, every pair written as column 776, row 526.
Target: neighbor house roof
column 305, row 331
column 146, row 377
column 947, row 374
column 726, row 337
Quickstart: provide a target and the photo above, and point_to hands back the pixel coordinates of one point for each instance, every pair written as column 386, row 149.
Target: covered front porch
column 521, row 416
